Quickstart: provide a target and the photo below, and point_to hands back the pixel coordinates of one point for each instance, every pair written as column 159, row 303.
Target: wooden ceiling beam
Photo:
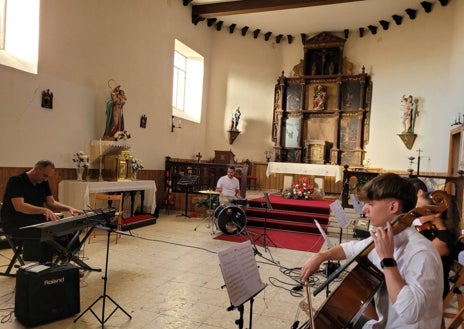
column 255, row 6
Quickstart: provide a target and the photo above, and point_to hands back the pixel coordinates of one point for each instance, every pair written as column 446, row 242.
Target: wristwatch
column 387, row 262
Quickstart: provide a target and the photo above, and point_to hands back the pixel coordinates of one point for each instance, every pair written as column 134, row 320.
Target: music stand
column 241, row 277
column 187, row 181
column 268, row 206
column 109, row 228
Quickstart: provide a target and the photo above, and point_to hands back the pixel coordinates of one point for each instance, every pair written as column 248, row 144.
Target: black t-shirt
column 447, row 237
column 20, row 186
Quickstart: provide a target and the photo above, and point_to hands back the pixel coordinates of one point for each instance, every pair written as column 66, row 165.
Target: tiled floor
column 168, row 276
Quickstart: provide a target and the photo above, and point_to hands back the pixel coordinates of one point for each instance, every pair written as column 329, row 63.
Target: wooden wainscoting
column 70, row 173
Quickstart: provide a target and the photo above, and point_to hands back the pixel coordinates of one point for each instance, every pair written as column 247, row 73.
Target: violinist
column 442, row 229
column 419, row 185
column 410, row 294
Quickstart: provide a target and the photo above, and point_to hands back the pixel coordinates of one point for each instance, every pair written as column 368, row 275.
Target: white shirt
column 229, row 185
column 419, row 303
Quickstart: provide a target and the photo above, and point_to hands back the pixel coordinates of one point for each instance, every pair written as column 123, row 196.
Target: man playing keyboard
column 27, row 201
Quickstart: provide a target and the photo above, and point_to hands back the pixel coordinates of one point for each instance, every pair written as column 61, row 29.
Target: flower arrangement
column 300, row 190
column 136, row 164
column 80, row 159
column 122, row 135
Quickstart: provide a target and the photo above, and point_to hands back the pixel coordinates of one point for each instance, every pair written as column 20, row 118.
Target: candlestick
column 100, row 176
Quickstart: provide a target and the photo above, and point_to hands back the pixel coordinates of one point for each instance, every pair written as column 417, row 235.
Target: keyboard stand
column 66, row 254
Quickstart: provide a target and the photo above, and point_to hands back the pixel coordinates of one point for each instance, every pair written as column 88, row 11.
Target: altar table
column 77, row 193
column 318, row 170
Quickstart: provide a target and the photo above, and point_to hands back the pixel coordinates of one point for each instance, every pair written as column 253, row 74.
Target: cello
column 348, row 301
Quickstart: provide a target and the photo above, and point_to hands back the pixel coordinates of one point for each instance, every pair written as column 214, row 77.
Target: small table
column 77, row 193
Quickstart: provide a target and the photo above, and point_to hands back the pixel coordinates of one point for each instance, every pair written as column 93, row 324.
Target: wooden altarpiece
column 323, row 110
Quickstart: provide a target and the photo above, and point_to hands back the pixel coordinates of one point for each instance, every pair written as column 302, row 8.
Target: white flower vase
column 134, row 174
column 80, row 173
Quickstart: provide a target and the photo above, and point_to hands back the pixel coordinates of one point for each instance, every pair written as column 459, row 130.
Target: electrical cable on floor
column 173, row 243
column 5, row 299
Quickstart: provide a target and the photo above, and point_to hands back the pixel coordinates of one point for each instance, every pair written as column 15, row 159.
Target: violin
column 426, row 227
column 428, row 230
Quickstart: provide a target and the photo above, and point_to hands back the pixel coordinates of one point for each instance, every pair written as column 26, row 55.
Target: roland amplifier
column 45, row 294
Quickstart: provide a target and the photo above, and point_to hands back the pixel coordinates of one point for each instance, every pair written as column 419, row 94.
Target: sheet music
column 339, row 213
column 240, row 273
column 324, row 235
column 357, row 205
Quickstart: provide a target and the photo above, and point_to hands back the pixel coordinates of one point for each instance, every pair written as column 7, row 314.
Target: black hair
column 418, row 184
column 451, row 217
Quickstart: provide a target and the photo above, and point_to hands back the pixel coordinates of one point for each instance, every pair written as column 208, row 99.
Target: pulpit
column 224, row 157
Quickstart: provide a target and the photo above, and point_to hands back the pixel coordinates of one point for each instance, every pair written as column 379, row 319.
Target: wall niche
column 322, row 106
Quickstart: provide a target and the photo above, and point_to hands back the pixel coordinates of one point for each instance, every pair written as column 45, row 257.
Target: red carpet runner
column 281, row 239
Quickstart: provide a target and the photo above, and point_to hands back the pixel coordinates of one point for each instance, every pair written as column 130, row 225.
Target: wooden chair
column 457, row 318
column 251, row 180
column 114, row 201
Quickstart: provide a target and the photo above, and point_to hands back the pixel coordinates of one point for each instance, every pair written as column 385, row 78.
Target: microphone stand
column 104, row 296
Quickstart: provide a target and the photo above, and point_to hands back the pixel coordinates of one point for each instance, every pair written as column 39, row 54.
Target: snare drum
column 230, row 219
column 242, row 203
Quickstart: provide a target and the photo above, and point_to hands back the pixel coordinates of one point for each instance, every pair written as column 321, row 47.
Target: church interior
column 330, row 94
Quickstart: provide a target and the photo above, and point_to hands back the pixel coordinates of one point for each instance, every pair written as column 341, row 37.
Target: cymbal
column 209, row 192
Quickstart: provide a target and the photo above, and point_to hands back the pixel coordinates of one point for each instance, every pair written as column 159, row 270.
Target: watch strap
column 388, row 262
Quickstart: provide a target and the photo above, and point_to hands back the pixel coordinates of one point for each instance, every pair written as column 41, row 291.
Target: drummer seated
column 229, row 187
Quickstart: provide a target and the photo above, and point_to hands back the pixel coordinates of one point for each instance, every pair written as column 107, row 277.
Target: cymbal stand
column 210, row 218
column 104, row 296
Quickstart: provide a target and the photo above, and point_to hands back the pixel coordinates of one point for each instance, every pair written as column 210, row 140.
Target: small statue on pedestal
column 235, row 118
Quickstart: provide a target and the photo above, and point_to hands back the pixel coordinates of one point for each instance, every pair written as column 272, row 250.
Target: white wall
column 242, row 74
column 84, row 43
column 422, row 58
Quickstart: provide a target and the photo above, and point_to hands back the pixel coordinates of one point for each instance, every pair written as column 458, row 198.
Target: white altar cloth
column 304, row 169
column 77, row 193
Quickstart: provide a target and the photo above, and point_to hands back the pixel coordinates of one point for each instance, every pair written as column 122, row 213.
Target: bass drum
column 231, row 220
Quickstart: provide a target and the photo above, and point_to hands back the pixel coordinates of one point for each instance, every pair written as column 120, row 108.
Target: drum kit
column 230, row 218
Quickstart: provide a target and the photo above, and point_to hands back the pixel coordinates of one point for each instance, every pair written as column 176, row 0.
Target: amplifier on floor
column 45, row 294
column 361, row 228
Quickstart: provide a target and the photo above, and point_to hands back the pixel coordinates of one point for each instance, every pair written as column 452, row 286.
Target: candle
column 100, row 147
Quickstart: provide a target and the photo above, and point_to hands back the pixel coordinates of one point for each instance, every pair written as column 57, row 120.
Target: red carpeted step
column 289, row 214
column 284, row 225
column 278, row 202
column 294, row 216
